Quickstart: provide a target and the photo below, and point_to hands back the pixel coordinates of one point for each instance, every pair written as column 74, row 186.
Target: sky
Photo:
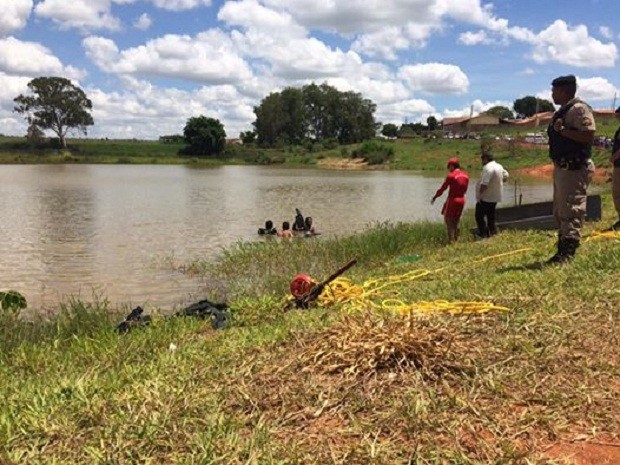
column 149, row 65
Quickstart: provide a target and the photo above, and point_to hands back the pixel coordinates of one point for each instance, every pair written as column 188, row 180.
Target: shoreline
column 545, row 171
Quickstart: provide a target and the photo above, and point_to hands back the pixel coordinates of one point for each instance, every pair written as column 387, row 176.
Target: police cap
column 564, row 80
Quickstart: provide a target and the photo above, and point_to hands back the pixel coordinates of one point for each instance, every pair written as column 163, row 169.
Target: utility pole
column 471, row 114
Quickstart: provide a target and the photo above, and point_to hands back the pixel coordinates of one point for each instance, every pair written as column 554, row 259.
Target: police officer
column 615, row 161
column 571, row 134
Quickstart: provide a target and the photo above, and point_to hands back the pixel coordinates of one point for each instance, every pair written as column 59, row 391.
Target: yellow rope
column 603, row 235
column 371, row 294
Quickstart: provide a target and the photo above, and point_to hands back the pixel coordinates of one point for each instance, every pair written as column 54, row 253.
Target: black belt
column 571, row 165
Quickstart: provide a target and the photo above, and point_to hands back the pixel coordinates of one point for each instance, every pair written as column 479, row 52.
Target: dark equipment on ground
column 217, row 313
column 134, row 319
column 304, row 301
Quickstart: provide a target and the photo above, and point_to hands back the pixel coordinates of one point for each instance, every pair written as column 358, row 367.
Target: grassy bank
column 333, row 384
column 420, row 153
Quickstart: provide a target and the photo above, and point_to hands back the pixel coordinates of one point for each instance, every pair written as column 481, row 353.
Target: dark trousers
column 485, row 218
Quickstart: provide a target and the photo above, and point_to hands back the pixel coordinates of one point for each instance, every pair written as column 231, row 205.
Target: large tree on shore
column 528, row 105
column 501, row 112
column 204, row 136
column 55, row 104
column 319, row 112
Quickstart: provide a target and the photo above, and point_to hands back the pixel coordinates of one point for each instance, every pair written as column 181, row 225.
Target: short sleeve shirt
column 579, row 117
column 493, row 175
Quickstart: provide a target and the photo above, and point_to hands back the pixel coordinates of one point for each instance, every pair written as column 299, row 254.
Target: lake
column 111, row 230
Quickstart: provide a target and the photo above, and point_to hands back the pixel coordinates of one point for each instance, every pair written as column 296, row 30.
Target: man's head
column 486, row 157
column 563, row 89
column 453, row 163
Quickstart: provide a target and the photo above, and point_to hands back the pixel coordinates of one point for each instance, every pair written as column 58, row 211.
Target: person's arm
column 483, row 188
column 583, row 137
column 441, row 190
column 582, row 126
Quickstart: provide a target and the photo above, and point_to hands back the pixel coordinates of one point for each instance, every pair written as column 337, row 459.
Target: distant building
column 475, row 124
column 604, row 115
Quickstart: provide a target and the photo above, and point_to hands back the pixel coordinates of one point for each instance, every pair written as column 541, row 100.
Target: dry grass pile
column 321, row 393
column 364, row 346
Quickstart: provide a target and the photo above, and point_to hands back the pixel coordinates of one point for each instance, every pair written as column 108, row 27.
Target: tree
column 501, row 112
column 389, row 130
column 204, row 136
column 34, row 135
column 247, row 137
column 57, row 104
column 526, row 106
column 316, row 112
column 432, row 123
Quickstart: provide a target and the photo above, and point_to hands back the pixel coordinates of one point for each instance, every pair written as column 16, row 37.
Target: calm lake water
column 80, row 230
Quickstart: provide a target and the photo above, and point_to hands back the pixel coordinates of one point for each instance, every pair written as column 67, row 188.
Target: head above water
column 308, row 221
column 286, row 226
column 268, row 224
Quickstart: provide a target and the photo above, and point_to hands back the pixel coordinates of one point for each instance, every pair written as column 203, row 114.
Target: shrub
column 374, row 153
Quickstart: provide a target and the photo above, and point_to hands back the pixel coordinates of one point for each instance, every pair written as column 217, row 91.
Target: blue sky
column 149, row 65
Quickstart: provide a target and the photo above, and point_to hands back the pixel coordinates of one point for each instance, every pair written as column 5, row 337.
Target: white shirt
column 493, row 176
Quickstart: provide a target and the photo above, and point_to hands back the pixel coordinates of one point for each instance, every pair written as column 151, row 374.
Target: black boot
column 557, row 258
column 571, row 246
column 566, row 251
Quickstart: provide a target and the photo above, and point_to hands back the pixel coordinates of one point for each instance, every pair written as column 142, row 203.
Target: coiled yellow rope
column 603, row 235
column 371, row 294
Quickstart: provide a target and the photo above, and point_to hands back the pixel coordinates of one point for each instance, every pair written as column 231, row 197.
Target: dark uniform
column 572, row 173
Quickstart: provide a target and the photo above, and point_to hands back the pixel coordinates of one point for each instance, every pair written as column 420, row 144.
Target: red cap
column 453, row 161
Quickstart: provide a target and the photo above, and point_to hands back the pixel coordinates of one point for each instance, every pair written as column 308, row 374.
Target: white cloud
column 474, row 38
column 80, row 14
column 249, row 14
column 178, row 5
column 528, row 72
column 573, row 46
column 210, row 57
column 596, row 89
column 143, row 22
column 384, row 43
column 140, row 109
column 479, row 106
column 606, row 32
column 435, row 78
column 11, row 87
column 19, row 58
column 407, row 110
column 13, row 15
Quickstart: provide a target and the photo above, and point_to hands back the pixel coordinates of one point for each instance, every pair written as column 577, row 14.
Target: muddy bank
column 601, row 175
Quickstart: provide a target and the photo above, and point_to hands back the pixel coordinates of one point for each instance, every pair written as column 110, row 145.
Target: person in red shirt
column 457, row 182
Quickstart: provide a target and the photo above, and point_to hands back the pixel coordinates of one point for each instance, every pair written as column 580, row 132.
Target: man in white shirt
column 489, row 194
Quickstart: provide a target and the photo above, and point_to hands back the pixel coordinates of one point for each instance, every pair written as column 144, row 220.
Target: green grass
column 495, row 388
column 420, row 153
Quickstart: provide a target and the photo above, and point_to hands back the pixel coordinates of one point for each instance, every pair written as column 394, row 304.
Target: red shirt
column 457, row 181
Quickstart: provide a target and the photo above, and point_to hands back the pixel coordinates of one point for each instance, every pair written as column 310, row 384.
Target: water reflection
column 76, row 229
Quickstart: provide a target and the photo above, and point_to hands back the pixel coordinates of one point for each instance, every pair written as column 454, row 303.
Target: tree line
column 293, row 116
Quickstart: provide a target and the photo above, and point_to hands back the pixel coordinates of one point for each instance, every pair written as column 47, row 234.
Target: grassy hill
column 424, row 152
column 364, row 381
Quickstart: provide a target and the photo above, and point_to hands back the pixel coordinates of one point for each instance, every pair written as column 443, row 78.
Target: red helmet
column 301, row 284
